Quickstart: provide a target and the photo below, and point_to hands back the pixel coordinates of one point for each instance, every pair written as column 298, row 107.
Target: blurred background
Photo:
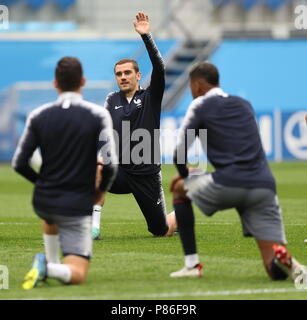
column 259, row 46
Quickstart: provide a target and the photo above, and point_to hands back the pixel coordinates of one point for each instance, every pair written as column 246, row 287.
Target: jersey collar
column 71, row 96
column 216, row 92
column 140, row 89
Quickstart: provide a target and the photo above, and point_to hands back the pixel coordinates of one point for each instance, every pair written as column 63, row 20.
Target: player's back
column 67, row 132
column 234, row 144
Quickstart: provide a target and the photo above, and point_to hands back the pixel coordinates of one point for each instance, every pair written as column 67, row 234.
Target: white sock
column 296, row 267
column 52, row 247
column 191, row 260
column 96, row 216
column 59, row 271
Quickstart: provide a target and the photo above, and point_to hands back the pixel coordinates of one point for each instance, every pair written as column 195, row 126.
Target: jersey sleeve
column 25, row 148
column 187, row 133
column 157, row 82
column 108, row 101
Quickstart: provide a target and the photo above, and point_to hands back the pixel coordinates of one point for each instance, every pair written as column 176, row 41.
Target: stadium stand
column 276, row 4
column 38, row 4
column 176, row 74
column 199, row 27
column 181, row 19
column 249, row 4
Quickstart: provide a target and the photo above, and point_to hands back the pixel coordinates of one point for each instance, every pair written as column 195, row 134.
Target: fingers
column 178, row 190
column 142, row 17
column 141, row 24
column 171, row 188
column 174, row 181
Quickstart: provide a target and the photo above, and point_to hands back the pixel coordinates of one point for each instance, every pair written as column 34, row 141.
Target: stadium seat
column 64, row 4
column 249, row 4
column 37, row 4
column 220, row 3
column 9, row 2
column 276, row 4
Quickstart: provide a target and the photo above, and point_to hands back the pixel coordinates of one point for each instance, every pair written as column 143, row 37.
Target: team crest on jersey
column 138, row 103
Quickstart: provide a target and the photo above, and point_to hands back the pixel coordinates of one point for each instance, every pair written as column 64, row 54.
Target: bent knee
column 78, row 277
column 159, row 231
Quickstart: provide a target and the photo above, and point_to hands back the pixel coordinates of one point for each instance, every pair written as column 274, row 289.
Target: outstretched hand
column 141, row 24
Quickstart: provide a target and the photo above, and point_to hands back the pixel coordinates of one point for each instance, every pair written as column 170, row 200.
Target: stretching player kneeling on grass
column 242, row 178
column 69, row 132
column 139, row 110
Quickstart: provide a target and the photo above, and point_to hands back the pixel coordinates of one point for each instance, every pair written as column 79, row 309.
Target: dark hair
column 207, row 71
column 69, row 73
column 134, row 63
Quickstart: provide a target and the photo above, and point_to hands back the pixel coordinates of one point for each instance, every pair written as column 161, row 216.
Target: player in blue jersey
column 69, row 133
column 139, row 110
column 242, row 178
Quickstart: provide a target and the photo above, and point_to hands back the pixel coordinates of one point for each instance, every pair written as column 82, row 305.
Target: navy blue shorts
column 148, row 193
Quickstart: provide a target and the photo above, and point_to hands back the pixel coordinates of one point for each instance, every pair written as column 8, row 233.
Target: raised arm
column 142, row 27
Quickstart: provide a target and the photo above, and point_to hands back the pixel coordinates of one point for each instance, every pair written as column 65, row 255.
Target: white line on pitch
column 225, row 292
column 182, row 294
column 17, row 223
column 131, row 223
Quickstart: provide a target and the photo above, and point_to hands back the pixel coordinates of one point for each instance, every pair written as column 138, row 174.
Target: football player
column 132, row 109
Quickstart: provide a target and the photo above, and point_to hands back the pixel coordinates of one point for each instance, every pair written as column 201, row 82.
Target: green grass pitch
column 130, row 264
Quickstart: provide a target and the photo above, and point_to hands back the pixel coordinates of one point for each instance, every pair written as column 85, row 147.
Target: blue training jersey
column 233, row 142
column 69, row 132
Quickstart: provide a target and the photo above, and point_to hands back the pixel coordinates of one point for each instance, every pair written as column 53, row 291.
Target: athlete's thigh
column 149, row 195
column 74, row 232
column 121, row 183
column 261, row 216
column 75, row 236
column 210, row 196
